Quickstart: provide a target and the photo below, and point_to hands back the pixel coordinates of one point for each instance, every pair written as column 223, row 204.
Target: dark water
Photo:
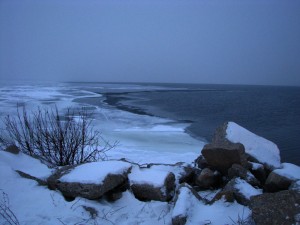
column 271, row 112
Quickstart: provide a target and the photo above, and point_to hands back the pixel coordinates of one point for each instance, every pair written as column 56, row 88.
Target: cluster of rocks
column 224, row 165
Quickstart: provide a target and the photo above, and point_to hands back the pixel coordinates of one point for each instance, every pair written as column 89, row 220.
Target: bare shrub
column 5, row 211
column 58, row 139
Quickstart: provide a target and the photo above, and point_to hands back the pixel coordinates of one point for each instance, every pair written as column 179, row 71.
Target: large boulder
column 239, row 190
column 258, row 148
column 90, row 180
column 281, row 179
column 276, row 208
column 222, row 155
column 151, row 184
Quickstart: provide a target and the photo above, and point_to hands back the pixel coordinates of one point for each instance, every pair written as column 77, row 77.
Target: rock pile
column 242, row 166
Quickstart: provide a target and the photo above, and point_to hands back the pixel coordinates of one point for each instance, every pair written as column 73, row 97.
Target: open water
column 269, row 111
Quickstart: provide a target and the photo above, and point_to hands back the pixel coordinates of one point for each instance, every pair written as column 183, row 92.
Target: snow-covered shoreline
column 141, row 137
column 160, row 189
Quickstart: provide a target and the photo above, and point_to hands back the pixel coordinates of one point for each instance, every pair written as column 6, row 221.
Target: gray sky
column 203, row 41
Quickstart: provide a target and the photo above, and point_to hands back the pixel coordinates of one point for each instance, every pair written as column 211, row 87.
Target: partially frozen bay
column 140, row 138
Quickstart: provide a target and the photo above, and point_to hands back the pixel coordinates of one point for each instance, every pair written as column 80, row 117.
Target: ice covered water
column 140, row 138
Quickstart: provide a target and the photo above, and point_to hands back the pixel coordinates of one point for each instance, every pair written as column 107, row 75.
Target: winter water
column 169, row 122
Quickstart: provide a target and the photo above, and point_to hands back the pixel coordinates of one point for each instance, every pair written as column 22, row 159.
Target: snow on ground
column 95, row 172
column 25, row 164
column 260, row 148
column 199, row 213
column 33, row 204
column 289, row 170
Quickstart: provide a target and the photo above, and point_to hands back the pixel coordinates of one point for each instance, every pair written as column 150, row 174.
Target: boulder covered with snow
column 239, row 190
column 90, row 180
column 258, row 148
column 276, row 208
column 281, row 179
column 152, row 184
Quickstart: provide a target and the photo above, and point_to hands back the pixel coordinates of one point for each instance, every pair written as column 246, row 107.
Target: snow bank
column 25, row 164
column 246, row 189
column 260, row 148
column 186, row 200
column 289, row 170
column 95, row 172
column 218, row 213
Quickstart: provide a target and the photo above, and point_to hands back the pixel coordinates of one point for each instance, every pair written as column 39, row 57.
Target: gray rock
column 276, row 208
column 276, row 182
column 91, row 191
column 87, row 190
column 208, row 179
column 179, row 220
column 13, row 149
column 148, row 192
column 238, row 171
column 223, row 155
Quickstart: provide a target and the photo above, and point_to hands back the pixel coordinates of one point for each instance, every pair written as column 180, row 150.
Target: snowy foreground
column 32, row 203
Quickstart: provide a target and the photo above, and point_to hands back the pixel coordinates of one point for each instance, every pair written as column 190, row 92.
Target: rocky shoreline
column 237, row 166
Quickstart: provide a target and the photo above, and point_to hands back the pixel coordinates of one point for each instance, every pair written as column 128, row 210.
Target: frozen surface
column 246, row 189
column 260, row 148
column 95, row 172
column 289, row 170
column 140, row 137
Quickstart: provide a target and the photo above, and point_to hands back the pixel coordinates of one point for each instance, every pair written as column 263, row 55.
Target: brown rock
column 223, row 156
column 276, row 208
column 276, row 182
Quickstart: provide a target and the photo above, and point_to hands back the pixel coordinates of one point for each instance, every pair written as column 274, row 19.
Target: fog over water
column 239, row 42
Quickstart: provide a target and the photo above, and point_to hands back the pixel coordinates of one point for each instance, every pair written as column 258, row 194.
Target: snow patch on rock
column 289, row 171
column 258, row 147
column 95, row 172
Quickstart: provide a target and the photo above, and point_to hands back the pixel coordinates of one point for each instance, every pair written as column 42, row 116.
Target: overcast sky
column 213, row 41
